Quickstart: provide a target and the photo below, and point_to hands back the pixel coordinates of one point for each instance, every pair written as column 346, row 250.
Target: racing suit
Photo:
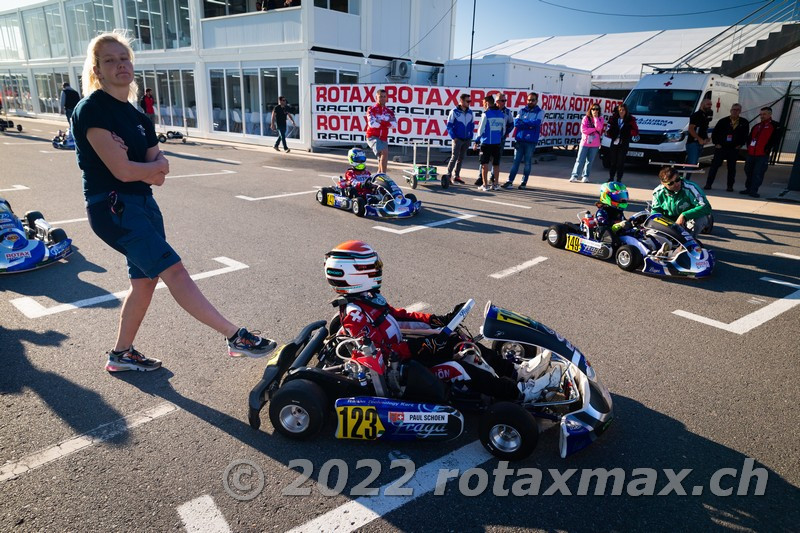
column 369, row 315
column 356, row 181
column 688, row 201
column 610, row 222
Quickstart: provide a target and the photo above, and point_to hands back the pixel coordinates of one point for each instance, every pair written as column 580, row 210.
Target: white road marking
column 221, row 172
column 57, row 151
column 278, row 168
column 502, row 203
column 33, row 309
column 251, row 199
column 23, row 143
column 358, row 513
column 754, row 319
column 95, row 436
column 32, row 129
column 69, row 221
column 16, row 188
column 788, row 256
column 228, row 161
column 327, row 176
column 197, row 156
column 462, row 216
column 518, row 268
column 202, row 515
column 419, row 306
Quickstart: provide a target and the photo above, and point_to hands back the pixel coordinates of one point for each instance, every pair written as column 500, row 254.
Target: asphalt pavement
column 710, row 387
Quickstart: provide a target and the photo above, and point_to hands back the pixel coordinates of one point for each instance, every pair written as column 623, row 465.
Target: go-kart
column 424, row 173
column 31, row 243
column 170, row 135
column 64, row 140
column 9, row 125
column 375, row 399
column 653, row 244
column 383, row 199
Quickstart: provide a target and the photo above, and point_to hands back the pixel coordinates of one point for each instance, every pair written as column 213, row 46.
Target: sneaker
column 754, row 195
column 288, row 150
column 495, row 187
column 534, row 368
column 532, row 389
column 479, row 181
column 729, row 189
column 573, row 179
column 508, row 185
column 521, row 186
column 249, row 344
column 585, row 180
column 277, row 149
column 131, row 359
column 482, row 188
column 459, row 180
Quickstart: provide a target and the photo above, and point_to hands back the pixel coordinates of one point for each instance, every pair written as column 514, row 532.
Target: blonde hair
column 90, row 82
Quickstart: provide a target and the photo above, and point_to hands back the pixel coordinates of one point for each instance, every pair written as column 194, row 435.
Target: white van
column 662, row 104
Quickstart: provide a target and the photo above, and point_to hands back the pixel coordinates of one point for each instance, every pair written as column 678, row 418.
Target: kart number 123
column 358, row 422
column 573, row 243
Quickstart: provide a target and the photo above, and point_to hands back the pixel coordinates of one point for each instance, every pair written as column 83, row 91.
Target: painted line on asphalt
column 251, row 199
column 33, row 309
column 69, row 221
column 788, row 256
column 278, row 168
column 57, row 151
column 462, row 216
column 202, row 515
column 327, row 176
column 754, row 319
column 502, row 203
column 16, row 188
column 418, row 306
column 23, row 143
column 358, row 513
column 95, row 436
column 518, row 268
column 197, row 156
column 221, row 172
column 228, row 161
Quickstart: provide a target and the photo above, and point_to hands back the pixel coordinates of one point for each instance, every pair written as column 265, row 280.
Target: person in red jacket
column 379, row 119
column 355, row 272
column 763, row 137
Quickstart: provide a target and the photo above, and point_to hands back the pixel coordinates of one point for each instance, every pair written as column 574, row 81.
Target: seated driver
column 355, row 271
column 357, row 179
column 610, row 214
column 681, row 200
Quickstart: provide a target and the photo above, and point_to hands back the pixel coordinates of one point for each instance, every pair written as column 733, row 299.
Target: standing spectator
column 379, row 119
column 592, row 127
column 622, row 129
column 69, row 99
column 117, row 150
column 763, row 138
column 528, row 124
column 729, row 135
column 278, row 122
column 490, row 135
column 461, row 128
column 148, row 105
column 509, row 116
column 698, row 132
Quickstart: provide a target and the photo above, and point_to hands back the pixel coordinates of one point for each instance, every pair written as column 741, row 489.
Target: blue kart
column 382, row 198
column 31, row 243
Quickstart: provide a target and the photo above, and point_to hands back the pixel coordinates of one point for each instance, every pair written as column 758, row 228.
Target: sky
column 500, row 20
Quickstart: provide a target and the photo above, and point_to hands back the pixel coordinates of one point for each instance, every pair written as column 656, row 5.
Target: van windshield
column 662, row 102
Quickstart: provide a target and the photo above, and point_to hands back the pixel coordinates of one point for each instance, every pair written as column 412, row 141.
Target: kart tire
column 508, row 431
column 359, row 207
column 170, row 135
column 514, row 349
column 322, row 195
column 57, row 235
column 708, row 229
column 299, row 409
column 31, row 217
column 445, row 181
column 2, row 128
column 162, row 138
column 254, row 418
column 19, row 127
column 628, row 258
column 4, row 201
column 556, row 235
column 334, row 324
column 413, row 181
column 411, row 197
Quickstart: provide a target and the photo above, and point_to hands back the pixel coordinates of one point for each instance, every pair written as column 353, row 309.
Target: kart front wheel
column 359, row 207
column 162, row 138
column 58, row 235
column 513, row 350
column 556, row 235
column 508, row 431
column 298, row 409
column 411, row 197
column 628, row 258
column 19, row 127
column 30, row 218
column 445, row 181
column 414, row 181
column 322, row 195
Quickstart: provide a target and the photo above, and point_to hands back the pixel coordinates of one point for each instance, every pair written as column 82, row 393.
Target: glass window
column 10, row 38
column 138, row 76
column 176, row 97
column 26, row 102
column 190, row 111
column 36, row 33
column 150, row 83
column 348, row 78
column 87, row 18
column 662, row 102
column 219, row 113
column 162, row 97
column 170, row 24
column 221, row 8
column 184, row 26
column 290, row 89
column 269, row 97
column 156, row 22
column 55, row 29
column 233, row 89
column 345, row 6
column 252, row 107
column 324, row 75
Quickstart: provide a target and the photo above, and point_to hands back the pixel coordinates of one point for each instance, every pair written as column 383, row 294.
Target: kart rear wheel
column 299, row 409
column 557, row 235
column 628, row 258
column 445, row 181
column 58, row 235
column 322, row 194
column 162, row 138
column 508, row 431
column 413, row 181
column 19, row 127
column 359, row 207
column 411, row 197
column 513, row 350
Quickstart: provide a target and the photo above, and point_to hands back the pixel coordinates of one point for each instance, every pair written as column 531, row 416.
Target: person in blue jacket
column 490, row 136
column 528, row 124
column 461, row 128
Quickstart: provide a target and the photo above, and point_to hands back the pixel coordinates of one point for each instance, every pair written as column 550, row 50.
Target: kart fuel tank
column 373, row 418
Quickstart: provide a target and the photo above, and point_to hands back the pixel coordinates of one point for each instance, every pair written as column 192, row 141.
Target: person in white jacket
column 592, row 127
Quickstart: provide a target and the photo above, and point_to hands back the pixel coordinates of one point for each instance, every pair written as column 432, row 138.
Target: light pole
column 471, row 43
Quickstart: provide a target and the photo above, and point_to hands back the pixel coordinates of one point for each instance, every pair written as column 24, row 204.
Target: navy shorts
column 137, row 233
column 490, row 152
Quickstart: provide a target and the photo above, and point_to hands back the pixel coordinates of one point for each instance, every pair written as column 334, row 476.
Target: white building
column 217, row 67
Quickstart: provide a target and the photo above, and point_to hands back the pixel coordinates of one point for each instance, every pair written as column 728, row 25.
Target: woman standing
column 622, row 129
column 592, row 127
column 117, row 150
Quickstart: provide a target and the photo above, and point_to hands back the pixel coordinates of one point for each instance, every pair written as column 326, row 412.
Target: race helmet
column 614, row 194
column 353, row 267
column 357, row 158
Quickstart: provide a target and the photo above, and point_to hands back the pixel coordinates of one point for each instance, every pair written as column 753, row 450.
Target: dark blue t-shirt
column 101, row 110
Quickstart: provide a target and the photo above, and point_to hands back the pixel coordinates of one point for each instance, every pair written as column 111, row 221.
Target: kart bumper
column 36, row 255
column 403, row 211
column 580, row 428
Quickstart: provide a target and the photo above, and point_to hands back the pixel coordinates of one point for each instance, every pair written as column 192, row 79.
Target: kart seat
column 422, row 385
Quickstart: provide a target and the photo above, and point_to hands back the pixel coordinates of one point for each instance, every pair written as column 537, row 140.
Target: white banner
column 339, row 112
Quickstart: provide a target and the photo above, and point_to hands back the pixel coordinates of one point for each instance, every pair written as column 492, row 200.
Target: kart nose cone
column 14, row 241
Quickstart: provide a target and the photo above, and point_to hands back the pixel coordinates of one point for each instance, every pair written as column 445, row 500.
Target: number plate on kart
column 358, row 422
column 573, row 243
column 331, row 199
column 633, row 153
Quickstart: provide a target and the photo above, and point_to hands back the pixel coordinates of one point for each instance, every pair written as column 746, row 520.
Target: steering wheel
column 455, row 322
